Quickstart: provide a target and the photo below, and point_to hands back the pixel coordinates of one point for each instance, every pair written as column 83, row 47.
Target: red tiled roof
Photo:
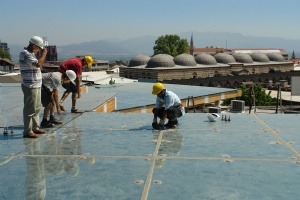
column 6, row 61
column 209, row 50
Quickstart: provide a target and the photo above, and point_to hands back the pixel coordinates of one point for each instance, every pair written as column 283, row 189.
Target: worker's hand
column 44, row 51
column 162, row 123
column 158, row 126
column 58, row 110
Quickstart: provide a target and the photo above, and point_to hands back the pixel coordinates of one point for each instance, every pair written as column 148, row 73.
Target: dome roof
column 161, row 60
column 138, row 60
column 277, row 57
column 224, row 58
column 259, row 57
column 205, row 59
column 185, row 60
column 242, row 57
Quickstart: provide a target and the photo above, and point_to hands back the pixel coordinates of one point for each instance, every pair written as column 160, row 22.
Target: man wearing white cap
column 30, row 68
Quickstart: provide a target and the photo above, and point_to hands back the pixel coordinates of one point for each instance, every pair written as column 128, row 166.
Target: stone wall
column 179, row 73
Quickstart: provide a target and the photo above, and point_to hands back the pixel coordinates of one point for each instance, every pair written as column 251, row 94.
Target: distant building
column 98, row 65
column 51, row 56
column 4, row 46
column 185, row 66
column 6, row 66
column 213, row 50
column 208, row 62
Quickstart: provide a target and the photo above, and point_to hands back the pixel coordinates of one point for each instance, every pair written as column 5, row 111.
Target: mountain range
column 115, row 49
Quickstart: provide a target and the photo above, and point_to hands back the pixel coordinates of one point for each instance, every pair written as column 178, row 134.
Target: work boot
column 76, row 111
column 53, row 120
column 46, row 124
column 171, row 124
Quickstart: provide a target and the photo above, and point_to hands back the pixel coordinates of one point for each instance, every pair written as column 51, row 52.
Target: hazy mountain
column 111, row 49
column 236, row 40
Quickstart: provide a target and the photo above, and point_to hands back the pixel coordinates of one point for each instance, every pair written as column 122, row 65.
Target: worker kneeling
column 171, row 110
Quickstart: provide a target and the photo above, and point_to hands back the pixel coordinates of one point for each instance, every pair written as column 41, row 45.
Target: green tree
column 261, row 97
column 4, row 54
column 171, row 44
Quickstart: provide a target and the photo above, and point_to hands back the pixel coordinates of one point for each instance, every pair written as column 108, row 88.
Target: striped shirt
column 31, row 75
column 170, row 99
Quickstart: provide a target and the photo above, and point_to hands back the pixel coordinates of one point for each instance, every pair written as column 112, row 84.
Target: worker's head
column 87, row 61
column 157, row 89
column 36, row 43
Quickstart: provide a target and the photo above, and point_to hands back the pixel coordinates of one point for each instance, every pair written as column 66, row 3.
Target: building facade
column 163, row 67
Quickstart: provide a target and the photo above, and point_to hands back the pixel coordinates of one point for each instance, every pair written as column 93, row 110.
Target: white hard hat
column 38, row 41
column 71, row 75
column 212, row 117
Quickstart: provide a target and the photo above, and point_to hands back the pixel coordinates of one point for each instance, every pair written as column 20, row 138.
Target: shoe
column 76, row 111
column 171, row 125
column 39, row 131
column 46, row 124
column 55, row 121
column 156, row 126
column 30, row 135
column 62, row 108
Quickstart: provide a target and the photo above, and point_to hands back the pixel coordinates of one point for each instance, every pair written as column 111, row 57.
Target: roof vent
column 237, row 106
column 214, row 110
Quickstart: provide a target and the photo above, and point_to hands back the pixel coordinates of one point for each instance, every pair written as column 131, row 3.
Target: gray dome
column 161, row 60
column 224, row 58
column 277, row 57
column 185, row 60
column 138, row 60
column 259, row 57
column 242, row 57
column 205, row 59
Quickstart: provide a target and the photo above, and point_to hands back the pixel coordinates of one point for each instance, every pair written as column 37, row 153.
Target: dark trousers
column 70, row 87
column 172, row 113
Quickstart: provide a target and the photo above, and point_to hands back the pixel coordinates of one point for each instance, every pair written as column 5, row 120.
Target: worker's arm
column 42, row 59
column 55, row 98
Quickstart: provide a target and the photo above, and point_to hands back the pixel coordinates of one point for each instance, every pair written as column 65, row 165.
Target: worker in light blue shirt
column 167, row 106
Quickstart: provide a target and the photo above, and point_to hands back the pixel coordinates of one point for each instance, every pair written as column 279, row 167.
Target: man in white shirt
column 52, row 81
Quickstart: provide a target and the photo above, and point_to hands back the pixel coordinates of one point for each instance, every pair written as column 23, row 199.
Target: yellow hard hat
column 89, row 60
column 157, row 88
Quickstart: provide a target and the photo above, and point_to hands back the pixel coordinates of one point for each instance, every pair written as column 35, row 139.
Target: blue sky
column 75, row 21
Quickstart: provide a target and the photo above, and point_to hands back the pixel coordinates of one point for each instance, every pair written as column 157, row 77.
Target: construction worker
column 75, row 64
column 171, row 110
column 53, row 80
column 30, row 68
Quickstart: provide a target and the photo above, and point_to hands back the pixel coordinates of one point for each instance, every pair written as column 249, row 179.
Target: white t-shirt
column 52, row 80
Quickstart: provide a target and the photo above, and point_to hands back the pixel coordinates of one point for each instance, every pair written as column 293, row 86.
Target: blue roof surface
column 118, row 156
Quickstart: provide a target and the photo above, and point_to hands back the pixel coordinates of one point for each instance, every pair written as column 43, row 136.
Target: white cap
column 71, row 75
column 212, row 117
column 38, row 41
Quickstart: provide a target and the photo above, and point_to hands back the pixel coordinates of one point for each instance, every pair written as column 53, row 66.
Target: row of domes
column 165, row 60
